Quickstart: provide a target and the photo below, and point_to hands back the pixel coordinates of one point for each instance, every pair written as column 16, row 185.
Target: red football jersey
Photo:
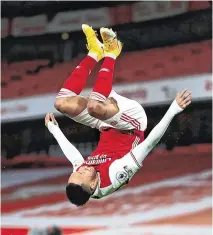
column 113, row 145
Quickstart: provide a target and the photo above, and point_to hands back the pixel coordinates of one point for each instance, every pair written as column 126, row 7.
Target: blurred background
column 167, row 47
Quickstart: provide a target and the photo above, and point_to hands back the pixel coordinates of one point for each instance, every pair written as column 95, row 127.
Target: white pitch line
column 96, row 221
column 15, row 177
column 154, row 230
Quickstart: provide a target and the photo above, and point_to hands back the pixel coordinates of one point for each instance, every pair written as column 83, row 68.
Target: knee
column 60, row 104
column 72, row 106
column 93, row 107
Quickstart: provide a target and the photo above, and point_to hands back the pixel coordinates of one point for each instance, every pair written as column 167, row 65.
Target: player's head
column 81, row 185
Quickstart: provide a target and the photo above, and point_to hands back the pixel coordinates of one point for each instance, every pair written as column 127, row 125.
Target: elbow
column 67, row 106
column 93, row 108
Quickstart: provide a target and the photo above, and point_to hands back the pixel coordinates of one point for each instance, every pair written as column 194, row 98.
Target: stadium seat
column 158, row 63
column 162, row 157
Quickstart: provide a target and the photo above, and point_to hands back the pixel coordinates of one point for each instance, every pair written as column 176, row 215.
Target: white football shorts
column 131, row 115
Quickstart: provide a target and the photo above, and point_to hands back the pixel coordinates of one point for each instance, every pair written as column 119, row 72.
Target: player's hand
column 184, row 98
column 50, row 118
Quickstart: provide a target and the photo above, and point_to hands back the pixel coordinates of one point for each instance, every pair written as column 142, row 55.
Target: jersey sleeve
column 69, row 150
column 77, row 164
column 122, row 170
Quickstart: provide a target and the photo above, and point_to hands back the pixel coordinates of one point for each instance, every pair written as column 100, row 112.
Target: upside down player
column 121, row 121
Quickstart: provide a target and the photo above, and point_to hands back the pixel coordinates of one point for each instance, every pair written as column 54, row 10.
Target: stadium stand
column 40, row 77
column 172, row 193
column 44, row 160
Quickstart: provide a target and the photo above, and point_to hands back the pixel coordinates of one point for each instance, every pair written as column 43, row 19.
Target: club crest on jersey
column 121, row 176
column 129, row 171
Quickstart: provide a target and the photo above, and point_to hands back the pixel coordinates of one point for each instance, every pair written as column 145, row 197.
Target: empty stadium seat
column 158, row 63
column 161, row 156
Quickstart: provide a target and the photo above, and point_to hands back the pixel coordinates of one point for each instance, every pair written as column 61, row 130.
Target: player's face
column 85, row 175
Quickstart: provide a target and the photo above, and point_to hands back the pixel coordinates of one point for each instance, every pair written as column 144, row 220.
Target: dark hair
column 54, row 231
column 77, row 195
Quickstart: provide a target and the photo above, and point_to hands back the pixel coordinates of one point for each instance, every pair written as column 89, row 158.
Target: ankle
column 93, row 55
column 111, row 55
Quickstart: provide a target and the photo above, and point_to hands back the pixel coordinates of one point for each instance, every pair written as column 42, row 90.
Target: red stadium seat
column 164, row 157
column 158, row 63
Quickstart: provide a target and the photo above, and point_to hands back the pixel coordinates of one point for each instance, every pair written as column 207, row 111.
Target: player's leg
column 98, row 105
column 68, row 100
column 118, row 111
column 131, row 115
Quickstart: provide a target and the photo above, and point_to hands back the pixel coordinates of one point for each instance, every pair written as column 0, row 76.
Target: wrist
column 176, row 107
column 51, row 127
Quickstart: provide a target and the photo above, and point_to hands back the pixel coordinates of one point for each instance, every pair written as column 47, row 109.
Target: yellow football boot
column 93, row 44
column 111, row 44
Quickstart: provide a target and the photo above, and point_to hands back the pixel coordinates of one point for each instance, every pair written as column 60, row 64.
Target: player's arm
column 132, row 162
column 69, row 150
column 182, row 101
